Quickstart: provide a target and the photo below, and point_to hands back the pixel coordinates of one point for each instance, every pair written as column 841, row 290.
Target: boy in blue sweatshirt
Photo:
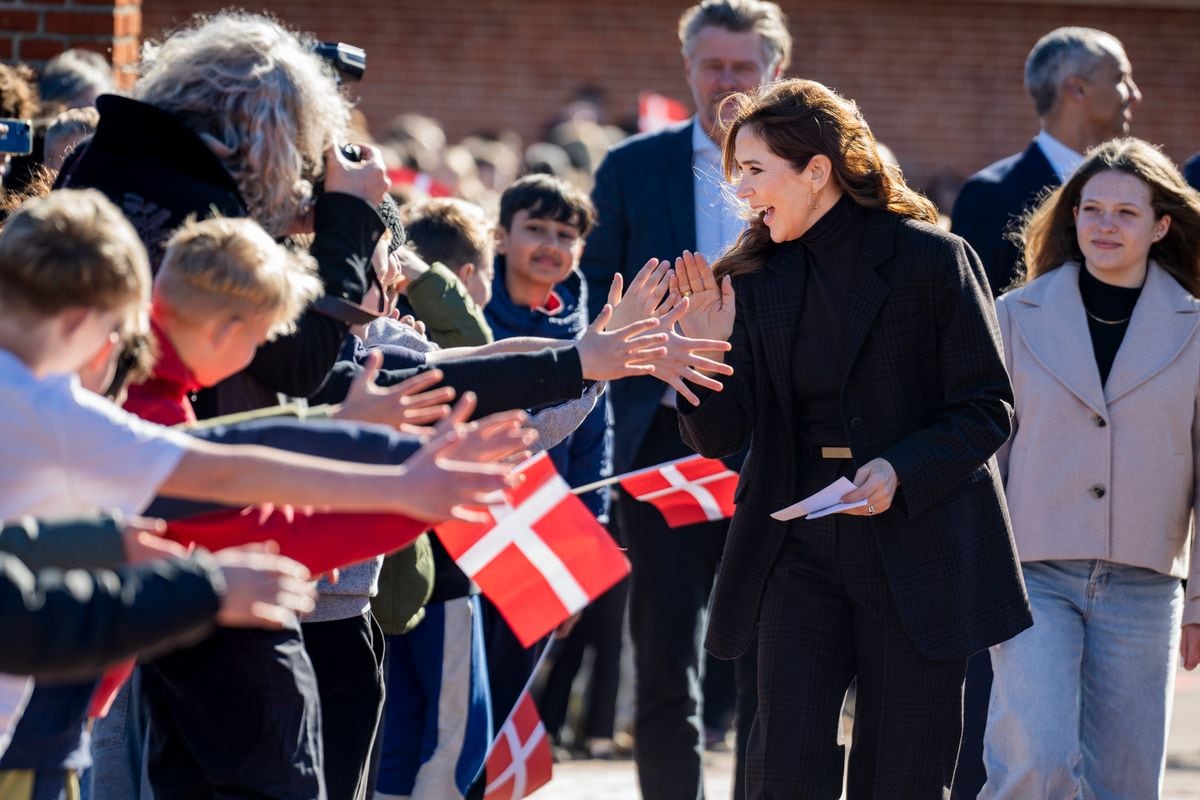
column 538, row 291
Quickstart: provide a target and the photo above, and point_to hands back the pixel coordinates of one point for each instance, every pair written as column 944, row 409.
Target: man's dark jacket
column 925, row 388
column 990, row 204
column 646, row 208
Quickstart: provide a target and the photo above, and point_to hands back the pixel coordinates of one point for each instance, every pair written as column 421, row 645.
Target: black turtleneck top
column 828, row 253
column 1112, row 304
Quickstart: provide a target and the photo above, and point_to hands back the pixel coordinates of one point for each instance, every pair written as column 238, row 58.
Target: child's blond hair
column 221, row 266
column 71, row 249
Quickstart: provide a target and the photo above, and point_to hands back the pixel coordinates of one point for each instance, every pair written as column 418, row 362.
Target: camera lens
column 352, row 152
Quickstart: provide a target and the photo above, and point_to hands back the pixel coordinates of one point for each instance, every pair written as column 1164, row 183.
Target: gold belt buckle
column 837, row 453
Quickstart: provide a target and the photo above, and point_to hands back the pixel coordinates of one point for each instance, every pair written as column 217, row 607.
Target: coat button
column 856, row 423
column 1099, row 420
column 1097, row 491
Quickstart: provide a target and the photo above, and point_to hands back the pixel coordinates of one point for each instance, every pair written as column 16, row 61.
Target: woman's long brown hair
column 798, row 119
column 1048, row 236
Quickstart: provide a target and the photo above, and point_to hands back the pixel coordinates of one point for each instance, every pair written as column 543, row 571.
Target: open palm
column 710, row 305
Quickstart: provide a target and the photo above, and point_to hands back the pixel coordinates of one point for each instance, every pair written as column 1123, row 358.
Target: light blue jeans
column 1081, row 701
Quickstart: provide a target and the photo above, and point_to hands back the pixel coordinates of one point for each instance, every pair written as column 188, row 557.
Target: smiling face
column 539, row 252
column 776, row 191
column 1116, row 226
column 722, row 62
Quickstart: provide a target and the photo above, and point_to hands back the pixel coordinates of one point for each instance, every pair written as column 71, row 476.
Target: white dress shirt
column 1063, row 159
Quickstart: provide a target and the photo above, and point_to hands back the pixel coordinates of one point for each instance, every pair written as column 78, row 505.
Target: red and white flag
column 687, row 491
column 541, row 558
column 520, row 762
column 657, row 111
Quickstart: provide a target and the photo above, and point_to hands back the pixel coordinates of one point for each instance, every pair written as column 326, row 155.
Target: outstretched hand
column 262, row 588
column 606, row 355
column 711, row 305
column 407, row 406
column 465, row 464
column 683, row 360
column 645, row 295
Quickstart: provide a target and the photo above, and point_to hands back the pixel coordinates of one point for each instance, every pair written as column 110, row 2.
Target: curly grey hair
column 255, row 92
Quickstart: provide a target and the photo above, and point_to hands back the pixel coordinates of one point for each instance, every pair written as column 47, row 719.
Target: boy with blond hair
column 73, row 278
column 223, row 289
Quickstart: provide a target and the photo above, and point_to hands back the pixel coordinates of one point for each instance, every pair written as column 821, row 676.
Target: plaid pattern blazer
column 925, row 387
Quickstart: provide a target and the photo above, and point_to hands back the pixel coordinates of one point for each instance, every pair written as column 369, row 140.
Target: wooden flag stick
column 616, row 478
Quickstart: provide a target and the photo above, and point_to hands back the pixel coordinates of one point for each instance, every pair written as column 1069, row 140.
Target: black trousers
column 671, row 584
column 235, row 717
column 599, row 629
column 347, row 656
column 828, row 618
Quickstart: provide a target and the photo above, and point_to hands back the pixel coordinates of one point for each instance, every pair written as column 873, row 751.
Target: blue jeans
column 1081, row 701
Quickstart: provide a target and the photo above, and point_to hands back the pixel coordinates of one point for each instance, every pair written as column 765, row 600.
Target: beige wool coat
column 1104, row 472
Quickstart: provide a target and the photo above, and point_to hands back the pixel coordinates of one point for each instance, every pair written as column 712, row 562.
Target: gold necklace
column 1107, row 321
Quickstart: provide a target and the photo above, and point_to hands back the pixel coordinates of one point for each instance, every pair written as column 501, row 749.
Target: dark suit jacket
column 645, row 203
column 1191, row 171
column 925, row 388
column 990, row 204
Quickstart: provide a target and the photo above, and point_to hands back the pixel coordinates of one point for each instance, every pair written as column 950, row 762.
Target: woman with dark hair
column 864, row 346
column 1103, row 344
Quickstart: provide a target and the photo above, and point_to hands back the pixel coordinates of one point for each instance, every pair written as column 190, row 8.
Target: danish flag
column 520, row 762
column 657, row 111
column 542, row 558
column 687, row 491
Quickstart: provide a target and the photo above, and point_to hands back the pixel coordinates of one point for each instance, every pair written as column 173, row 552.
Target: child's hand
column 684, row 361
column 466, row 464
column 262, row 589
column 407, row 406
column 646, row 292
column 143, row 541
column 607, row 355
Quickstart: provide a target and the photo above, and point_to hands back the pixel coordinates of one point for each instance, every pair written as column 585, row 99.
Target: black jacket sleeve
column 501, row 382
column 347, row 229
column 70, row 625
column 84, row 543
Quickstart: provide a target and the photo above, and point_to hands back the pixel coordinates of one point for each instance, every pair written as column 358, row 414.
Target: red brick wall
column 939, row 81
column 35, row 30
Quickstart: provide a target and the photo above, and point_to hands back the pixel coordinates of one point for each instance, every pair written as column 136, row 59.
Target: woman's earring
column 813, row 202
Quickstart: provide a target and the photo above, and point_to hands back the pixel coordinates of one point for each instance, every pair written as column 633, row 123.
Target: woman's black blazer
column 924, row 386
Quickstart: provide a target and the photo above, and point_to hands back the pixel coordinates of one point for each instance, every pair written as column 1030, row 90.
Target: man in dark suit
column 1082, row 87
column 656, row 195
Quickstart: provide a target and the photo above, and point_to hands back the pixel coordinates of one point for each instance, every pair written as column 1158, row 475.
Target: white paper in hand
column 822, row 504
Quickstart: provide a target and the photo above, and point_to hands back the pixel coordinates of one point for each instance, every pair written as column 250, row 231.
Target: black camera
column 348, row 62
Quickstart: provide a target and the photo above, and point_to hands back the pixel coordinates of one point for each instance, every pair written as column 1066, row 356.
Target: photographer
column 235, row 115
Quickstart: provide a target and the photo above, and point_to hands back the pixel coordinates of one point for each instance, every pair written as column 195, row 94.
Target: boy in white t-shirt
column 74, row 279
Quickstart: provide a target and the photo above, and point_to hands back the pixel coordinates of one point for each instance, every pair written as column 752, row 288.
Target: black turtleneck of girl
column 1109, row 309
column 828, row 254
